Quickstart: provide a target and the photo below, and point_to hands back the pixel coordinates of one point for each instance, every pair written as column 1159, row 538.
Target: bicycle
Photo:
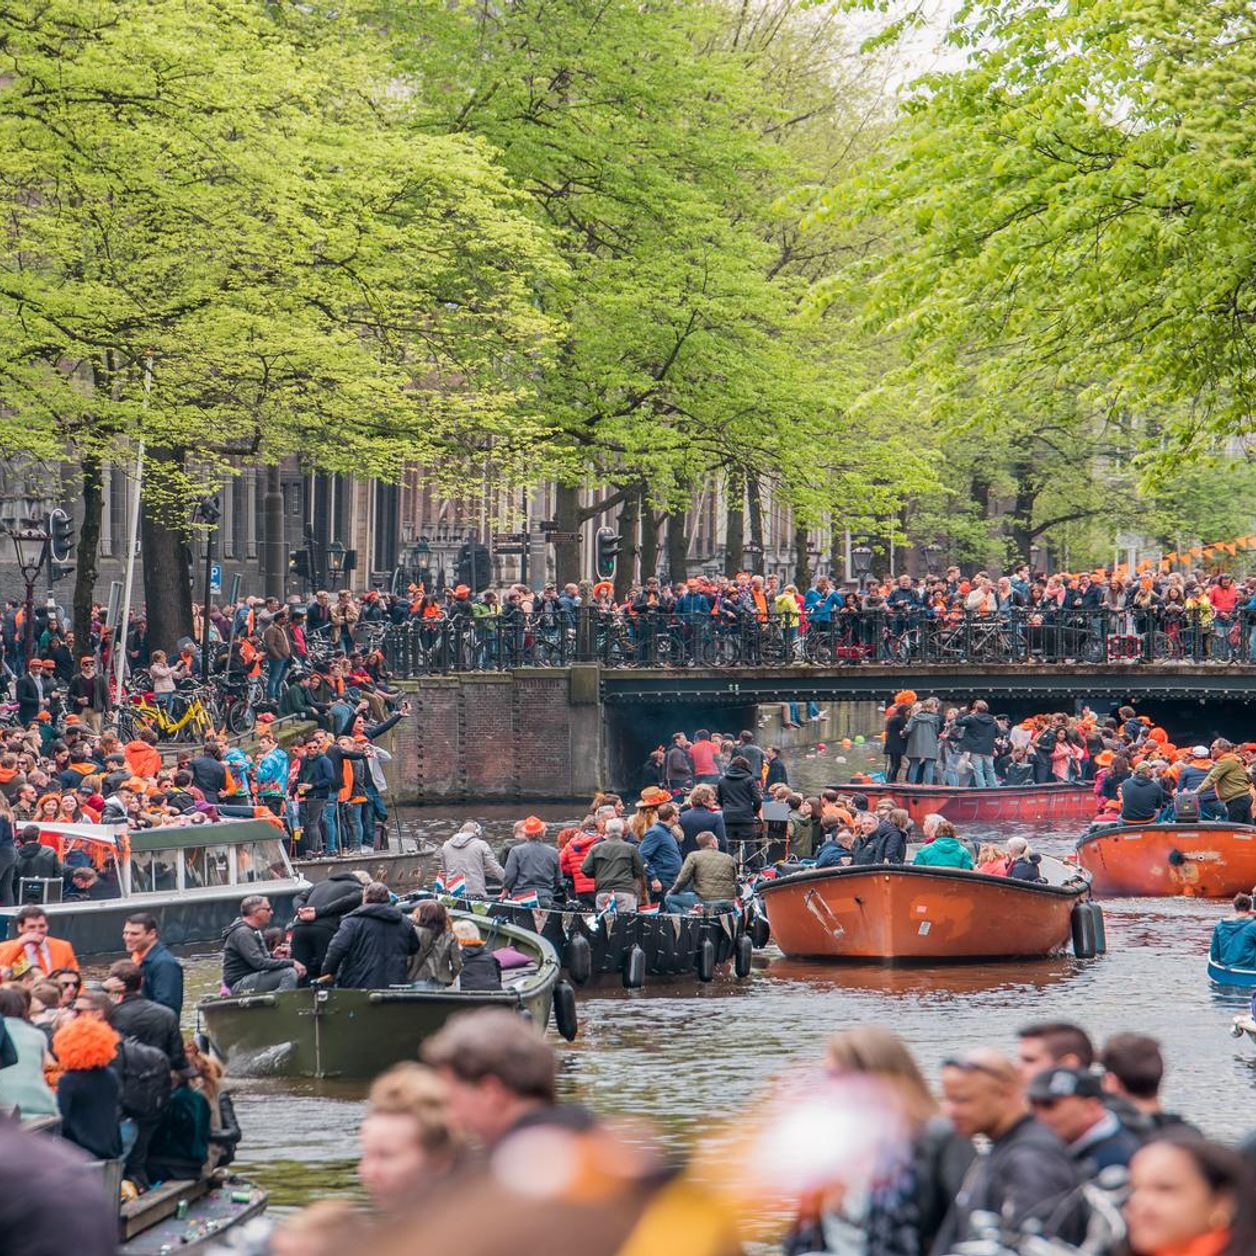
column 199, row 717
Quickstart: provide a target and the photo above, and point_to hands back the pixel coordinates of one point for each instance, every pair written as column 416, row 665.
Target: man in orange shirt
column 45, row 953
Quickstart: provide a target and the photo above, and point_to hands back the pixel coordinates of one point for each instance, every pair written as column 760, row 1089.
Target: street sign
column 236, row 581
column 509, row 538
column 562, row 536
column 549, row 525
column 215, row 578
column 510, row 547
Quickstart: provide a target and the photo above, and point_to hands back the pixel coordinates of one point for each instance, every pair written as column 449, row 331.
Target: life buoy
column 1083, row 927
column 706, row 960
column 578, row 957
column 565, row 1010
column 634, row 968
column 743, row 956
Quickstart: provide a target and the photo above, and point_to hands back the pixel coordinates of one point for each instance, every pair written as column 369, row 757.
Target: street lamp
column 933, row 551
column 335, row 560
column 861, row 560
column 30, row 544
column 208, row 512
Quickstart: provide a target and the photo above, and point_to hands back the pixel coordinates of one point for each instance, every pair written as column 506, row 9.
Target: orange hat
column 533, row 824
column 265, row 718
column 603, row 588
column 461, row 590
column 71, row 719
column 652, row 796
column 905, row 697
column 44, row 717
column 1104, row 758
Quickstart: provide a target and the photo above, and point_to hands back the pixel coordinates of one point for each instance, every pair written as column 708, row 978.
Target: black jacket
column 153, row 1025
column 89, row 1101
column 739, row 796
column 895, row 738
column 28, row 697
column 979, row 732
column 371, row 948
column 695, row 820
column 331, row 899
column 1028, row 1174
column 1141, row 797
column 37, row 860
column 208, row 775
column 480, row 969
column 885, row 844
column 163, row 978
column 244, row 952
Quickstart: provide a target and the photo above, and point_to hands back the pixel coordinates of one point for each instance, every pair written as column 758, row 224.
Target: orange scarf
column 1211, row 1244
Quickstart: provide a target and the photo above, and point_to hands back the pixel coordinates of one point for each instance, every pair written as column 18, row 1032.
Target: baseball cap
column 1063, row 1083
column 1200, row 752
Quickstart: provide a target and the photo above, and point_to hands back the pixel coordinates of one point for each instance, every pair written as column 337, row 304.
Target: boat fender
column 743, row 956
column 1083, row 927
column 565, row 1010
column 760, row 932
column 1101, row 929
column 706, row 960
column 634, row 968
column 578, row 958
column 1176, row 858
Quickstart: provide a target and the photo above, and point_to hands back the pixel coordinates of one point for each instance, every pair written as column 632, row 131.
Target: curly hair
column 85, row 1044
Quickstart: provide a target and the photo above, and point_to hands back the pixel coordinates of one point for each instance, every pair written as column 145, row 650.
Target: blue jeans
column 331, row 826
column 680, row 903
column 352, row 820
column 276, row 670
column 983, row 771
column 922, row 771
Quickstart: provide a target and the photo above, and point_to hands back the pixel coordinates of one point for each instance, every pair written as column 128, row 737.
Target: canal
column 682, row 1057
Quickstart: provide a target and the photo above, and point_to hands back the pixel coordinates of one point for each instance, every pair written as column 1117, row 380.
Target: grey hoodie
column 467, row 854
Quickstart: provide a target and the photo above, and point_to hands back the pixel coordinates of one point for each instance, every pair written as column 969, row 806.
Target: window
column 154, row 871
column 262, row 861
column 207, row 866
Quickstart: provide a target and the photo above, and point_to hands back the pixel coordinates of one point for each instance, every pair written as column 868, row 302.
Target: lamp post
column 861, row 560
column 208, row 512
column 335, row 560
column 933, row 551
column 30, row 544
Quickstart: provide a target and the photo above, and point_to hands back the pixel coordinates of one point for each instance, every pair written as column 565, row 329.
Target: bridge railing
column 869, row 637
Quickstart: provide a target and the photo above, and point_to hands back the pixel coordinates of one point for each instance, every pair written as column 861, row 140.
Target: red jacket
column 572, row 856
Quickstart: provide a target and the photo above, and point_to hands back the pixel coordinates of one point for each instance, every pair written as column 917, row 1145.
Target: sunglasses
column 967, row 1065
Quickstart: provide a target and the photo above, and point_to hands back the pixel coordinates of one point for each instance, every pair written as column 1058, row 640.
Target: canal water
column 683, row 1057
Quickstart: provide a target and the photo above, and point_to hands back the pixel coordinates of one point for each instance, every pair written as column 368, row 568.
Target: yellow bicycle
column 192, row 718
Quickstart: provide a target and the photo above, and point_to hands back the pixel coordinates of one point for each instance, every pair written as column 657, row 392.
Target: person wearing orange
column 34, row 945
column 142, row 756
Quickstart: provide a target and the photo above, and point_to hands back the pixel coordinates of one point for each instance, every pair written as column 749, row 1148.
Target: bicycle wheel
column 817, row 647
column 771, row 644
column 239, row 716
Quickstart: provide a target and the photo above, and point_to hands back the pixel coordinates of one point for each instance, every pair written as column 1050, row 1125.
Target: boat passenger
column 945, row 851
column 1024, row 862
column 1234, row 938
column 533, row 866
column 887, row 843
column 617, row 869
column 86, row 886
column 89, row 1089
column 22, row 1084
column 1133, row 1068
column 1229, row 777
column 372, row 947
column 468, row 855
column 163, row 974
column 1142, row 796
column 1019, row 770
column 1069, row 1102
column 501, row 1075
column 319, row 911
column 660, row 851
column 33, row 943
column 711, row 871
column 180, row 1146
column 836, row 841
column 134, row 1016
column 1191, row 775
column 701, row 816
column 480, row 967
column 978, row 732
column 993, row 861
column 1026, row 1174
column 224, row 1128
column 438, row 961
column 571, row 857
column 247, row 966
column 741, row 800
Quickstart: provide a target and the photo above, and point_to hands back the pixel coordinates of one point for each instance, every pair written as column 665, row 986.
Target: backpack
column 1186, row 806
column 144, row 1072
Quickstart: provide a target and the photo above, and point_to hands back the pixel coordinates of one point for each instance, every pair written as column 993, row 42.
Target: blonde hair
column 988, row 851
column 877, row 1052
column 467, row 931
column 416, row 1091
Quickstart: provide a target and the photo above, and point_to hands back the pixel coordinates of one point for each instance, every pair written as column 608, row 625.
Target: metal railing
column 852, row 638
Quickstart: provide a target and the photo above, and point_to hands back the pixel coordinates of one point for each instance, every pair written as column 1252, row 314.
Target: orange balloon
column 847, row 743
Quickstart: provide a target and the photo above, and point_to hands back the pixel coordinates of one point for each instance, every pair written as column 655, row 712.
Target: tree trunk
column 735, row 527
column 85, row 557
column 274, row 543
column 629, row 522
column 1021, row 523
column 677, row 545
column 167, row 588
column 567, row 553
column 649, row 539
column 802, row 558
column 754, row 497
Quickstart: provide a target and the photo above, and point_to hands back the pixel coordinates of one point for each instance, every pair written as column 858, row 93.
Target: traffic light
column 299, row 563
column 473, row 567
column 608, row 544
column 60, row 544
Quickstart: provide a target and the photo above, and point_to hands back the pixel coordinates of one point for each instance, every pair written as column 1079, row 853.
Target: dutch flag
column 457, row 886
column 438, row 886
column 530, row 899
column 652, row 910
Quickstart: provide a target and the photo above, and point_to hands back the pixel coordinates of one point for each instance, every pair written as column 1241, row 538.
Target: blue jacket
column 163, row 978
column 272, row 772
column 661, row 853
column 943, row 852
column 1234, row 943
column 693, row 604
column 819, row 607
column 831, row 854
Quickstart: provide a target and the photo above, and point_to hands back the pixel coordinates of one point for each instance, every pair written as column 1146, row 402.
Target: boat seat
column 517, row 976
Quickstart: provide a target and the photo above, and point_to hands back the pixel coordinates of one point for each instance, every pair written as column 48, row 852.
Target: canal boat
column 189, row 1216
column 323, row 1031
column 901, row 913
column 1231, row 978
column 635, row 948
column 191, row 877
column 1160, row 860
column 400, row 870
column 961, row 805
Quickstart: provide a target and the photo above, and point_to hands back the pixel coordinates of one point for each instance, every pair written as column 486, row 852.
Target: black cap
column 1064, row 1083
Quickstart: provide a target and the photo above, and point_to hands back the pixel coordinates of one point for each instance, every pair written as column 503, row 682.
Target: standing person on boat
column 438, row 961
column 617, row 869
column 533, row 866
column 903, row 1212
column 752, row 752
column 318, row 913
column 702, row 754
column 163, row 974
column 978, row 733
column 660, row 851
column 373, row 945
column 741, row 800
column 468, row 855
column 1069, row 1102
column 1142, row 796
column 1027, row 1175
column 895, row 740
column 571, row 859
column 34, row 944
column 711, row 872
column 408, row 1146
column 923, row 730
column 701, row 816
column 1228, row 776
column 247, row 966
column 1234, row 938
column 1191, row 774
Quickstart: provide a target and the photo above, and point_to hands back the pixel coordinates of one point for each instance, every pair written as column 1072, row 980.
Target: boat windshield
column 153, row 871
column 262, row 861
column 207, row 866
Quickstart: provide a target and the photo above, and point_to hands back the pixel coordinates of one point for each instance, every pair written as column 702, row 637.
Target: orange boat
column 898, row 912
column 1156, row 860
column 986, row 806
